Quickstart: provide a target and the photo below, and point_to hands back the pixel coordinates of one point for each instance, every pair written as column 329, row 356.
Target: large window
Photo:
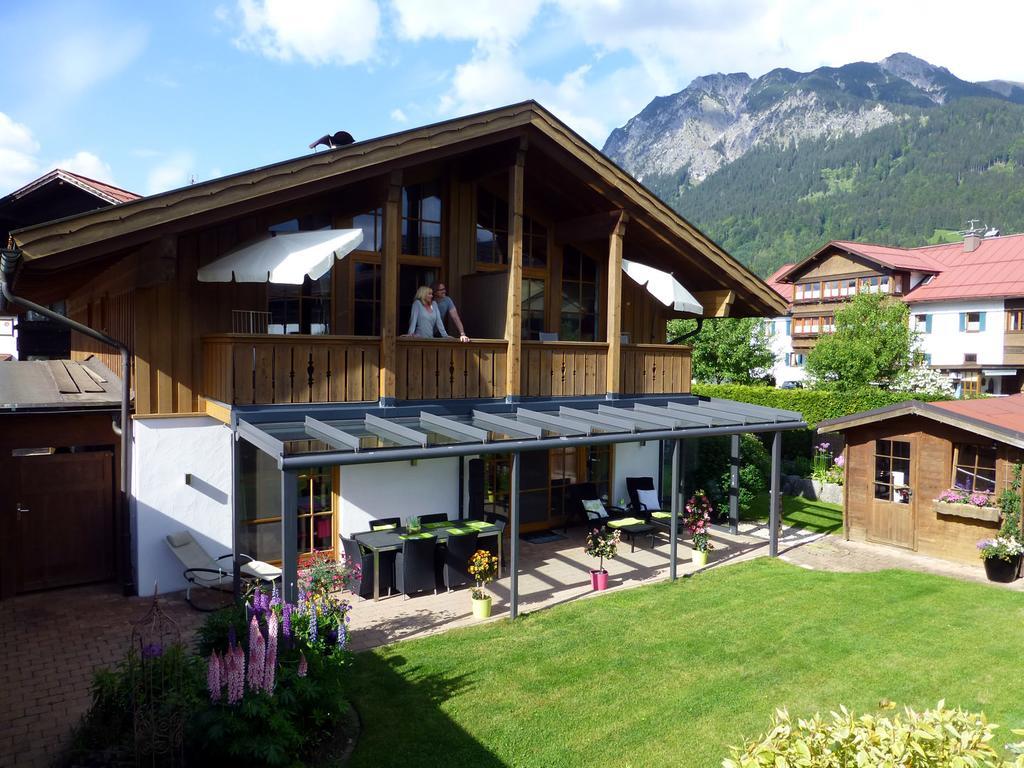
column 1015, row 319
column 533, row 308
column 366, row 307
column 579, row 296
column 410, row 278
column 491, row 228
column 892, row 471
column 974, row 468
column 302, row 308
column 535, row 244
column 421, row 220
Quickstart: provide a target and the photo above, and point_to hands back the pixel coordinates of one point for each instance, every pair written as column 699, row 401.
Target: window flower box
column 988, row 514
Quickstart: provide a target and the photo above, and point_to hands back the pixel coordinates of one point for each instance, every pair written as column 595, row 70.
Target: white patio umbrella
column 283, row 257
column 663, row 286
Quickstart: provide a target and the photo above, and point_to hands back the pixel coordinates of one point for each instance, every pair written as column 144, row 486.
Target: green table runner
column 437, row 524
column 416, row 536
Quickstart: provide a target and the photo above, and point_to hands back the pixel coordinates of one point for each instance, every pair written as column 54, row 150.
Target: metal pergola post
column 677, row 453
column 734, row 484
column 774, row 512
column 513, row 505
column 289, row 536
column 236, row 527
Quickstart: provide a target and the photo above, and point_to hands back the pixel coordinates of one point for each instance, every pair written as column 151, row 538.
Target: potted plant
column 601, row 543
column 1002, row 557
column 412, row 524
column 960, row 502
column 697, row 518
column 483, row 567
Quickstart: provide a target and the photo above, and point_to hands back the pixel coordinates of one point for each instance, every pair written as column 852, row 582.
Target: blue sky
column 149, row 95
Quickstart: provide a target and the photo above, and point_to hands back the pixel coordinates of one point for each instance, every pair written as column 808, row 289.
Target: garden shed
column 926, row 476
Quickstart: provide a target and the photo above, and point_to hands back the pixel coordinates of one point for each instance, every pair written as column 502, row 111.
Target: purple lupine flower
column 235, row 666
column 271, row 661
column 303, row 665
column 275, row 596
column 342, row 633
column 286, row 614
column 312, row 624
column 213, row 676
column 152, row 651
column 257, row 656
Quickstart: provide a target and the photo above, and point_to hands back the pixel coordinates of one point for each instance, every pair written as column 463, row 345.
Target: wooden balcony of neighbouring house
column 253, row 368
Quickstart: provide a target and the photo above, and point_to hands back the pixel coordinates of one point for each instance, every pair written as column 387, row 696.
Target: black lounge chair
column 436, row 517
column 656, row 513
column 356, row 555
column 580, row 496
column 414, row 566
column 455, row 560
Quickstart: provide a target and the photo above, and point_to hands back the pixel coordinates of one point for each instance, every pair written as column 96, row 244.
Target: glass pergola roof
column 298, row 439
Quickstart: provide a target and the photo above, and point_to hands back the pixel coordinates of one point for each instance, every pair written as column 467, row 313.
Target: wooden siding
column 114, row 316
column 563, row 368
column 944, row 536
column 655, row 369
column 441, row 370
column 241, row 369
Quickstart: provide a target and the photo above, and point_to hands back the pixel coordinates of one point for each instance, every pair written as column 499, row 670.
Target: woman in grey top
column 425, row 318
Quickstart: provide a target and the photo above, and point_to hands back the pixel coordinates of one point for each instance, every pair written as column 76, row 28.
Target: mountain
column 774, row 167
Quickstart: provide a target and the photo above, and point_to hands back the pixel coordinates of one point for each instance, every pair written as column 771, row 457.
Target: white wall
column 634, row 460
column 165, row 450
column 397, row 489
column 947, row 344
column 781, row 344
column 8, row 336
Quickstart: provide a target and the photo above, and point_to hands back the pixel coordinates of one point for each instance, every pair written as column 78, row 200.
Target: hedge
column 815, row 404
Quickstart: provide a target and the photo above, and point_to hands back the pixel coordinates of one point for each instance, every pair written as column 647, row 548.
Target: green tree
column 872, row 344
column 728, row 350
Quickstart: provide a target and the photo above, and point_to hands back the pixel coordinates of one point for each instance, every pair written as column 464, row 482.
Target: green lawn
column 673, row 673
column 813, row 515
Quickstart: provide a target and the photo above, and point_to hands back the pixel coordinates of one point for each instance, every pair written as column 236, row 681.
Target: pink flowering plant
column 963, row 496
column 603, row 544
column 825, row 467
column 697, row 518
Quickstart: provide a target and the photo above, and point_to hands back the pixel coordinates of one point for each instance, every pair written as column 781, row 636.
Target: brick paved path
column 51, row 643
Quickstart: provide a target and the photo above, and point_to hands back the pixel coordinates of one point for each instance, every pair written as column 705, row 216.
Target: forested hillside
column 898, row 184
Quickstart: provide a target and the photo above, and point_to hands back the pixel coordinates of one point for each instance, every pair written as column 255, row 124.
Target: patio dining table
column 392, row 539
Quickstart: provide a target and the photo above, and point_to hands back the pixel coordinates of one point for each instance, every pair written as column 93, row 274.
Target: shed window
column 974, row 468
column 892, row 471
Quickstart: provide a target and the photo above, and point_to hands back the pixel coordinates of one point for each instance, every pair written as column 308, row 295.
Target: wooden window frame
column 974, row 467
column 408, row 219
column 891, row 457
column 1015, row 320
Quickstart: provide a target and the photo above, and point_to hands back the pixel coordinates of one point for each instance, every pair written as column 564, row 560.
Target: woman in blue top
column 425, row 318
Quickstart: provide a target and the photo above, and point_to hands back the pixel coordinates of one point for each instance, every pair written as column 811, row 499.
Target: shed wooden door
column 894, row 503
column 65, row 519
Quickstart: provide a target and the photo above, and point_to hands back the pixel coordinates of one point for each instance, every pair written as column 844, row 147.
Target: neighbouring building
column 54, row 195
column 899, row 459
column 273, row 418
column 966, row 301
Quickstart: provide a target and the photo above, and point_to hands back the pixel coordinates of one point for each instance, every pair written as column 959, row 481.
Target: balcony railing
column 243, row 369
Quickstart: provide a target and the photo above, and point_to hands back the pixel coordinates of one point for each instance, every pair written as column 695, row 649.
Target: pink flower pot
column 599, row 580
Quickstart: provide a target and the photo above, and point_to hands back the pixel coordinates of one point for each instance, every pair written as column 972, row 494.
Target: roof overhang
column 59, row 243
column 928, row 411
column 299, row 437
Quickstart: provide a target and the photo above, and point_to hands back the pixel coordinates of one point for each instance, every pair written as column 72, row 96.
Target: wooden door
column 65, row 519
column 893, row 507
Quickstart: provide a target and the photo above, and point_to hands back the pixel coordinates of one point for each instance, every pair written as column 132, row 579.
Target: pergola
column 300, row 437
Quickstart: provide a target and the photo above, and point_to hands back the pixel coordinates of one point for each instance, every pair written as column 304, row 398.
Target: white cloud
column 87, row 164
column 399, row 116
column 498, row 20
column 174, row 171
column 18, row 163
column 311, row 30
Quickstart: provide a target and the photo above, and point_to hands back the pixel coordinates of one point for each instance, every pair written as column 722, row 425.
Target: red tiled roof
column 916, row 259
column 109, row 190
column 1005, row 413
column 106, row 192
column 994, row 269
column 785, row 290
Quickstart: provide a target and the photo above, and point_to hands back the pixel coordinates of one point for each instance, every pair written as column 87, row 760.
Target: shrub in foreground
column 936, row 738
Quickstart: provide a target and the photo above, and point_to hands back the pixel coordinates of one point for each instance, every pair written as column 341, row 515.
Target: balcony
column 246, row 369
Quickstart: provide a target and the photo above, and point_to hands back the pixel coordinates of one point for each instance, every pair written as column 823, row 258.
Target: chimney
column 971, row 241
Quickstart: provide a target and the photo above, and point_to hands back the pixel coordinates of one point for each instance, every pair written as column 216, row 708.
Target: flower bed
column 988, row 514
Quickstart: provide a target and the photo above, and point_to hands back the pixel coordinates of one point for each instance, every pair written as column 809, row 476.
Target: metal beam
column 645, row 420
column 774, row 516
column 333, row 436
column 396, row 433
column 236, row 524
column 554, row 423
column 506, row 425
column 676, row 414
column 513, row 505
column 734, row 484
column 602, row 420
column 452, row 428
column 262, row 440
column 289, row 537
column 734, row 416
column 673, row 557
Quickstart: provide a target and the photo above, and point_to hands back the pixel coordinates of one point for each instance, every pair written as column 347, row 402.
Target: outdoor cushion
column 649, row 499
column 661, row 515
column 624, row 522
column 179, row 539
column 261, row 570
column 386, row 527
column 595, row 509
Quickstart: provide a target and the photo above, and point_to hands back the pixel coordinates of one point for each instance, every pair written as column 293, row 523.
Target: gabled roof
column 785, row 290
column 105, row 192
column 999, row 418
column 135, row 222
column 885, row 256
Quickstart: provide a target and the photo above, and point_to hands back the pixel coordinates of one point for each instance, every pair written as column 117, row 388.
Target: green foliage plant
column 872, row 344
column 935, row 738
column 1009, row 504
column 602, row 544
column 728, row 350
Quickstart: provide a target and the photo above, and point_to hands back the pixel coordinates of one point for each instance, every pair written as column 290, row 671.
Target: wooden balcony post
column 389, row 299
column 612, row 384
column 514, row 308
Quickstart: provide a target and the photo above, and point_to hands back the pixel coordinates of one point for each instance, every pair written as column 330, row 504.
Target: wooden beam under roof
column 596, row 226
column 716, row 303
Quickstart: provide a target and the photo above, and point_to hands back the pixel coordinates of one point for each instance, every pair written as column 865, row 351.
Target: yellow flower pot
column 482, row 608
column 700, row 558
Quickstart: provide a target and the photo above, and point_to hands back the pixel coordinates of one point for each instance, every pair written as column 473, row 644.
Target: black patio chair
column 436, row 517
column 356, row 555
column 384, row 523
column 455, row 560
column 640, row 488
column 414, row 566
column 580, row 496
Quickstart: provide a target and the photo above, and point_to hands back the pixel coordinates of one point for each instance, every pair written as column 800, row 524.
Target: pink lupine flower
column 257, row 656
column 303, row 665
column 234, row 663
column 271, row 661
column 213, row 676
